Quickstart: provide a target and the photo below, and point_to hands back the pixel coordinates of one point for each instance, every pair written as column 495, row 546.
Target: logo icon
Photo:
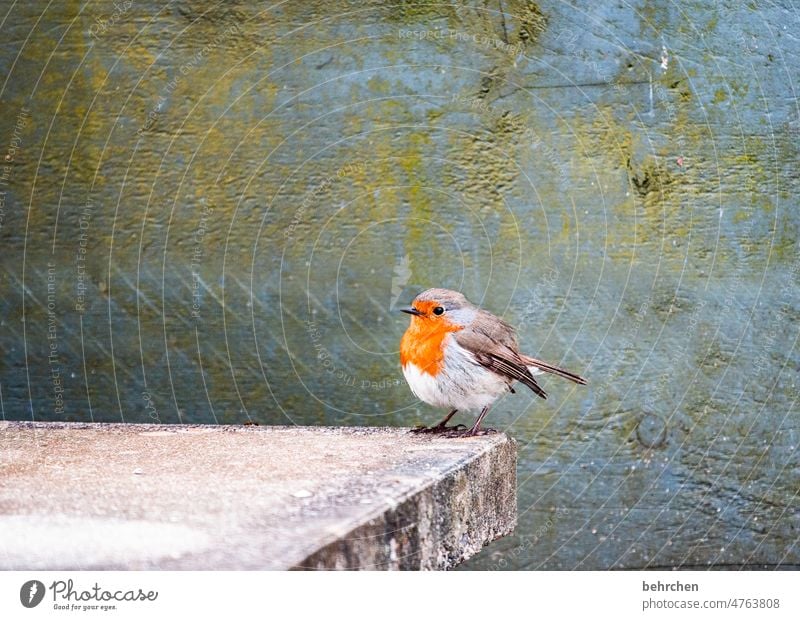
column 31, row 593
column 400, row 277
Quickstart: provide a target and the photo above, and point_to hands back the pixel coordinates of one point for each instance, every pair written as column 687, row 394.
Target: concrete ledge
column 125, row 496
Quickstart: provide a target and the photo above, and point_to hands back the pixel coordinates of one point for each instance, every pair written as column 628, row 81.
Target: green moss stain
column 532, row 20
column 379, row 86
column 649, row 178
column 673, row 208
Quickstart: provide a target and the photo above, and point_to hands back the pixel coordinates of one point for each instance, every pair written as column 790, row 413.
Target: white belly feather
column 462, row 383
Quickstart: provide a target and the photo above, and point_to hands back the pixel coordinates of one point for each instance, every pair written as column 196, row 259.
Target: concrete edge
column 436, row 526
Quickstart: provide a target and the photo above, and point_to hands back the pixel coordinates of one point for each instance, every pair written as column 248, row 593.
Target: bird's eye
column 438, row 310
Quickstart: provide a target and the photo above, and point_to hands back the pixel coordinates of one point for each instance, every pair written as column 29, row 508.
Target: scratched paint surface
column 210, row 213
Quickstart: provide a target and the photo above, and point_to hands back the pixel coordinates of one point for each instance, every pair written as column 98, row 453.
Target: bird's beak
column 411, row 310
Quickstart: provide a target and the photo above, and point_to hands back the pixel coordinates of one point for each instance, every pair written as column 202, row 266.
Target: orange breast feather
column 421, row 345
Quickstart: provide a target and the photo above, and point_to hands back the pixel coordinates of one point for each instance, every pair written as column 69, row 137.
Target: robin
column 458, row 356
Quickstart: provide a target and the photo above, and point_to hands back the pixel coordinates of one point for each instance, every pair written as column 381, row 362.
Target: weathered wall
column 209, row 212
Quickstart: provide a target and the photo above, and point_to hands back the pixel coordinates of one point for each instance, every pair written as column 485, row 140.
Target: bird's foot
column 439, row 428
column 484, row 431
column 472, row 432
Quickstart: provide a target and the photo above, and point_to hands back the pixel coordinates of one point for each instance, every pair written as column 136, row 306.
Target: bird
column 458, row 356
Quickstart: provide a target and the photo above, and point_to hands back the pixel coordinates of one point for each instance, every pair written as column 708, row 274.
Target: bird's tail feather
column 561, row 372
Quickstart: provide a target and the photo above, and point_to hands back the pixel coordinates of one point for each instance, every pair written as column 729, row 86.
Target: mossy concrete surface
column 130, row 496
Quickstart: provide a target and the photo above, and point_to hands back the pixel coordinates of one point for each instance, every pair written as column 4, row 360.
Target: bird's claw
column 458, row 428
column 472, row 432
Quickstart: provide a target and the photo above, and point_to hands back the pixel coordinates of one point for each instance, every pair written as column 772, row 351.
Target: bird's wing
column 551, row 368
column 494, row 346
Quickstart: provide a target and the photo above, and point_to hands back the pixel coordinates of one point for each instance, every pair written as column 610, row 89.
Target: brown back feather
column 494, row 345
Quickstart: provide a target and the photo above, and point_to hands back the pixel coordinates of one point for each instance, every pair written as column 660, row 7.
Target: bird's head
column 441, row 307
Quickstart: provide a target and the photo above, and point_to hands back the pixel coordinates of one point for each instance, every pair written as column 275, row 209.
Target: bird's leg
column 443, row 424
column 476, row 428
column 440, row 427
